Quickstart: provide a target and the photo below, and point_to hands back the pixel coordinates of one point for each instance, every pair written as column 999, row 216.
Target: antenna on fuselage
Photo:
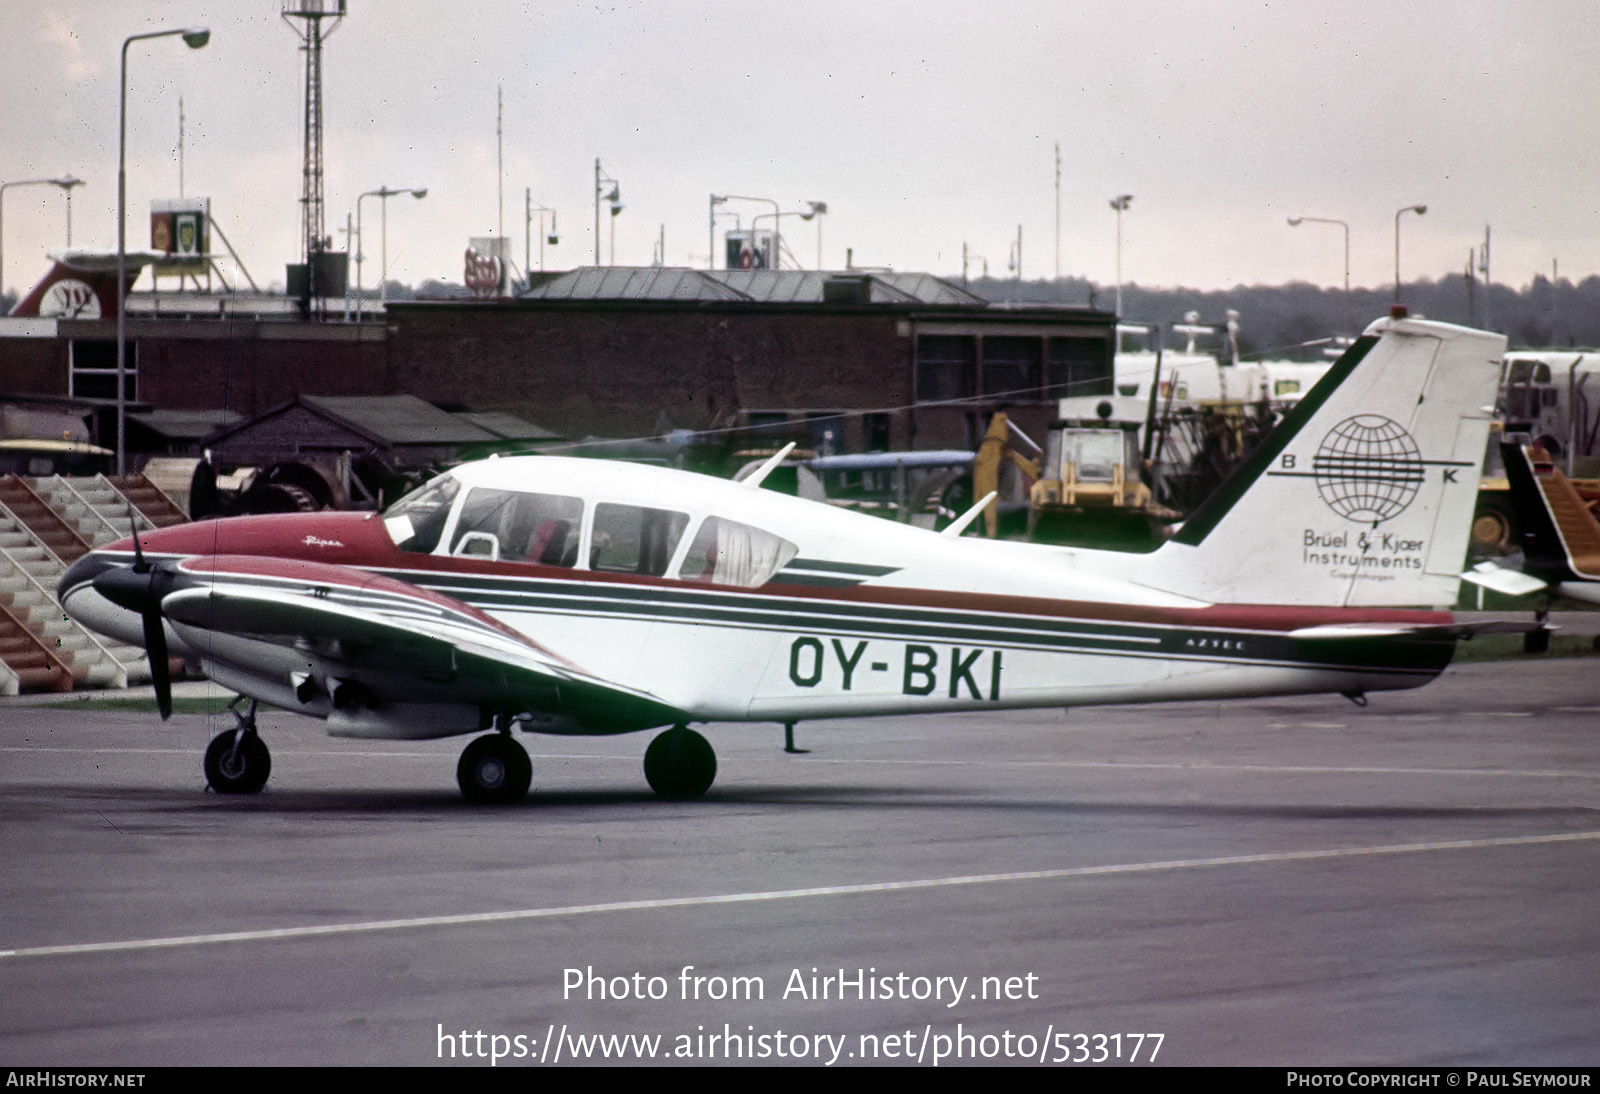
column 759, row 476
column 959, row 525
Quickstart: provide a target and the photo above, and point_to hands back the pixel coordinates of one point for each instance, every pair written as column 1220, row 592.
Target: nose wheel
column 680, row 764
column 237, row 760
column 494, row 769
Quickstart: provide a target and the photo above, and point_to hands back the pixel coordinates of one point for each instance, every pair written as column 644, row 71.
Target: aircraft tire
column 680, row 764
column 494, row 770
column 241, row 771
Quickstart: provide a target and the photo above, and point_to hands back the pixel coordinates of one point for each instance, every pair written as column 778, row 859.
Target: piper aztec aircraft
column 587, row 597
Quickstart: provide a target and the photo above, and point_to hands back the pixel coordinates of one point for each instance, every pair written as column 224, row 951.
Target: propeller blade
column 155, row 648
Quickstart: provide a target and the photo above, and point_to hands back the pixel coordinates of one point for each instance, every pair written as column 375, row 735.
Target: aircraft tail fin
column 1364, row 494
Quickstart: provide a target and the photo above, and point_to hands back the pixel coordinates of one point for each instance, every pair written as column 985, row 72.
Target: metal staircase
column 45, row 525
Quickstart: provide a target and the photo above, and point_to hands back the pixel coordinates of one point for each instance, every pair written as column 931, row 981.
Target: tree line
column 1291, row 321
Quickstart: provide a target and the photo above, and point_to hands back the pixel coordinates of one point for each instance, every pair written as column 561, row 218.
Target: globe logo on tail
column 1368, row 468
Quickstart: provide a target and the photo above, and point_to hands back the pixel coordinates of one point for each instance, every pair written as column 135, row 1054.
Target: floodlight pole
column 194, row 38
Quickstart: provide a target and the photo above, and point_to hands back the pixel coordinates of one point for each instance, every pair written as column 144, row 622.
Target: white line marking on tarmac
column 475, row 918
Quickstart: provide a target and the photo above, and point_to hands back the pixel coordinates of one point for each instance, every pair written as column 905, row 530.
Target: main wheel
column 494, row 769
column 240, row 768
column 680, row 764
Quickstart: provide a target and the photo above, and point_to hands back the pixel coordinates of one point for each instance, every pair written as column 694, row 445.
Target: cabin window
column 518, row 526
column 725, row 552
column 416, row 521
column 632, row 539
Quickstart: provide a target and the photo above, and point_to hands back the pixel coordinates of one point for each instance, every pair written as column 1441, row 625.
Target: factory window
column 1011, row 367
column 1078, row 366
column 878, row 429
column 94, row 369
column 947, row 366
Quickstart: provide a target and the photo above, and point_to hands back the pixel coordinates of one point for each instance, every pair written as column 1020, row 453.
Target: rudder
column 1364, row 494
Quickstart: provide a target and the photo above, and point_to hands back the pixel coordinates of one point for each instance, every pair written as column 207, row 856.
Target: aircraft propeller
column 136, row 589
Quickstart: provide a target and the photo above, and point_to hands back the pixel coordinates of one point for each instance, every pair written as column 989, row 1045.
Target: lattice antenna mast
column 312, row 33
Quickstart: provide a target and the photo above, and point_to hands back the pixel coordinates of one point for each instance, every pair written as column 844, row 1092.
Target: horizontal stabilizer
column 1501, row 580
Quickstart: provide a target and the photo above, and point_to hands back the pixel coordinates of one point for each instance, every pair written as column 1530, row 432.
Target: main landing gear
column 494, row 769
column 680, row 763
column 237, row 761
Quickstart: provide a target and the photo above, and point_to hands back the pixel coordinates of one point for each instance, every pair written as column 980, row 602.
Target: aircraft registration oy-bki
column 579, row 596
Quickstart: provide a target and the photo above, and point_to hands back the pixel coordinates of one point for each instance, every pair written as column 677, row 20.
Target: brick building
column 850, row 361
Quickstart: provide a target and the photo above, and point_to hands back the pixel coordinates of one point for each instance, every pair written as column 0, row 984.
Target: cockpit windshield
column 416, row 521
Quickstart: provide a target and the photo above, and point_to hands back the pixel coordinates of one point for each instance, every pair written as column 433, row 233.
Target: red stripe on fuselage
column 358, row 541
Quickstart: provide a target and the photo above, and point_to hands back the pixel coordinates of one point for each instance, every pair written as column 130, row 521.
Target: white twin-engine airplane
column 580, row 596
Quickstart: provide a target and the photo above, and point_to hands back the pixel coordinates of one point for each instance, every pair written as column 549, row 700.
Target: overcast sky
column 924, row 125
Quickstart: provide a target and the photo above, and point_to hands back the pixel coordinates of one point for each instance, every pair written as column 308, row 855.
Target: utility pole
column 1058, row 210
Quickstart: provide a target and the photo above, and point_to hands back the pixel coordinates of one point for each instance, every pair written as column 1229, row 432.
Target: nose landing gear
column 494, row 769
column 237, row 760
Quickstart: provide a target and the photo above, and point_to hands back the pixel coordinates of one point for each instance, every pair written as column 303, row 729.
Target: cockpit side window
column 517, row 526
column 633, row 539
column 416, row 521
column 725, row 552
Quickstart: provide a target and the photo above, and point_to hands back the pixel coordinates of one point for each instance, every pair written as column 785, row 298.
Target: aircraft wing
column 373, row 628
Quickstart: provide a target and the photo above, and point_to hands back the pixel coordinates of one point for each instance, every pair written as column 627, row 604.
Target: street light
column 194, row 38
column 1120, row 203
column 66, row 185
column 818, row 209
column 777, row 219
column 383, row 194
column 615, row 198
column 527, row 232
column 1419, row 210
column 1295, row 222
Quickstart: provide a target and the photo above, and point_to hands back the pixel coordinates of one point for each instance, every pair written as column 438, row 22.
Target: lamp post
column 1295, row 222
column 66, row 184
column 777, row 218
column 1419, row 210
column 194, row 38
column 615, row 198
column 818, row 209
column 1120, row 203
column 529, row 208
column 383, row 194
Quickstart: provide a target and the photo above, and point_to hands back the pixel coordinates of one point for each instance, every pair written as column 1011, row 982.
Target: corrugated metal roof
column 189, row 425
column 400, row 419
column 507, row 425
column 755, row 286
column 632, row 283
column 928, row 289
column 774, row 286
